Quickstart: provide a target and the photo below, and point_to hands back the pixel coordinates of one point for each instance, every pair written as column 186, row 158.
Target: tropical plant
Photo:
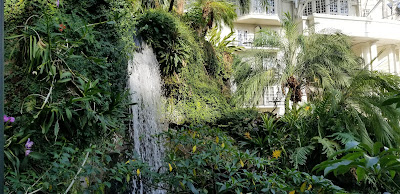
column 312, row 63
column 374, row 167
column 204, row 160
column 214, row 12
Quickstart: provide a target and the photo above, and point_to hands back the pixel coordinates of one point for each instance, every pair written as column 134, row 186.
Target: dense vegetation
column 67, row 105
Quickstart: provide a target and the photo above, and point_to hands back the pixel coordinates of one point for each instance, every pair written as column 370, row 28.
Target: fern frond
column 299, row 156
column 344, row 138
column 329, row 147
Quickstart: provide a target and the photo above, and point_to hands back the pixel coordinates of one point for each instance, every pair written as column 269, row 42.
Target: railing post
column 328, row 6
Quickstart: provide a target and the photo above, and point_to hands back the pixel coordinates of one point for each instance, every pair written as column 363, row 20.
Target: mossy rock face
column 195, row 82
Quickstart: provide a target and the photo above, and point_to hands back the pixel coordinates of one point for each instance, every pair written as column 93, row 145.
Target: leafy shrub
column 65, row 83
column 375, row 168
column 167, row 36
column 94, row 169
column 204, row 160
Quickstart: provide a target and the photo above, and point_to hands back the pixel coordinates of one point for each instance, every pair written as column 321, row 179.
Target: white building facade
column 373, row 25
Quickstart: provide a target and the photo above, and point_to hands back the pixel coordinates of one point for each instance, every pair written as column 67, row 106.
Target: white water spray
column 145, row 88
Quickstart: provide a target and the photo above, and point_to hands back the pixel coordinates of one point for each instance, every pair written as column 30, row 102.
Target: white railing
column 273, row 96
column 333, row 7
column 258, row 7
column 243, row 38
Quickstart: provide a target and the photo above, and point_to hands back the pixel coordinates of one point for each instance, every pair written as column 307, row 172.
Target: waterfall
column 145, row 88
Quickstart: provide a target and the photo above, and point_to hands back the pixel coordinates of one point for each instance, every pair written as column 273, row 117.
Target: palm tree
column 313, row 63
column 364, row 99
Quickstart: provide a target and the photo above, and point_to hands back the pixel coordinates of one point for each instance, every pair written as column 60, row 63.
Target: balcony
column 259, row 13
column 361, row 29
column 246, row 40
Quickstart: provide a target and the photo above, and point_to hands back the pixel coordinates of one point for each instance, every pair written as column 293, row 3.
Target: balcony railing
column 244, row 39
column 259, row 7
column 332, row 7
column 272, row 97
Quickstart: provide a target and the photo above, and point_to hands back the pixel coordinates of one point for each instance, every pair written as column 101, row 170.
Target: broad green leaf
column 377, row 148
column 64, row 80
column 351, row 144
column 192, row 188
column 24, row 139
column 360, row 173
column 371, row 160
column 69, row 114
column 36, row 155
column 336, row 165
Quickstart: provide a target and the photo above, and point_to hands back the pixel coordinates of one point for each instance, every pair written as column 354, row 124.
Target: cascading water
column 145, row 88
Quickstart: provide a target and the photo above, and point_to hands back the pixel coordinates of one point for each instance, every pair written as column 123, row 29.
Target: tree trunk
column 171, row 5
column 287, row 100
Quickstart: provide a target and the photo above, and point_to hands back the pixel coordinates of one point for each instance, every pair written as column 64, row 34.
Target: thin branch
column 76, row 175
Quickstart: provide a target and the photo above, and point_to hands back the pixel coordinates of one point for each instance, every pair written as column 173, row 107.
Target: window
column 366, row 12
column 344, row 7
column 272, row 95
column 240, row 37
column 333, row 7
column 308, row 9
column 320, row 6
column 271, row 6
column 258, row 6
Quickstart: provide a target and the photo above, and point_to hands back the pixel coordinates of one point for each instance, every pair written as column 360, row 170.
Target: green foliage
column 205, row 160
column 195, row 74
column 299, row 156
column 70, row 164
column 65, row 82
column 313, row 61
column 213, row 13
column 372, row 163
column 168, row 37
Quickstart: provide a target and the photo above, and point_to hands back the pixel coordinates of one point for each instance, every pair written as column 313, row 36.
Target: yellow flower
column 241, row 163
column 247, row 135
column 307, row 108
column 292, row 192
column 138, row 172
column 129, row 161
column 222, row 145
column 217, row 139
column 194, row 148
column 309, row 187
column 276, row 153
column 170, row 167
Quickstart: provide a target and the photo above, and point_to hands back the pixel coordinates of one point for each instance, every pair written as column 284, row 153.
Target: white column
column 392, row 59
column 373, row 55
column 365, row 53
column 383, row 8
column 397, row 68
